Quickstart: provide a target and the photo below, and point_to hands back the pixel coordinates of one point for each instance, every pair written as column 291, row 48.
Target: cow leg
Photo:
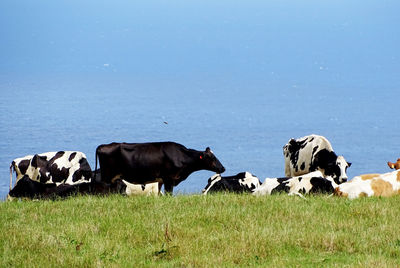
column 160, row 184
column 168, row 186
column 288, row 172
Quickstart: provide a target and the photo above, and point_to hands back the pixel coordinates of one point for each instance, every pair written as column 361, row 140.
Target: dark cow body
column 165, row 162
column 243, row 182
column 311, row 153
column 27, row 188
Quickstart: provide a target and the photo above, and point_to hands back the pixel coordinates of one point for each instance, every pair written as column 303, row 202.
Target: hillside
column 199, row 231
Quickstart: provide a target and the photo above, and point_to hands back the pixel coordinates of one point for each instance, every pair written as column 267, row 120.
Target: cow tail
column 95, row 166
column 11, row 176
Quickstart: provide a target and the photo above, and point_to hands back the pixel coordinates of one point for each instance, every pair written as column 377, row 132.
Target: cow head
column 331, row 165
column 210, row 162
column 394, row 165
column 337, row 169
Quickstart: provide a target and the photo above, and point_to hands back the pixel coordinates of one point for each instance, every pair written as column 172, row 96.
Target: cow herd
column 311, row 166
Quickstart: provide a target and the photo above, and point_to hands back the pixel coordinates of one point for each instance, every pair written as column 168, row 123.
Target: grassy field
column 200, row 231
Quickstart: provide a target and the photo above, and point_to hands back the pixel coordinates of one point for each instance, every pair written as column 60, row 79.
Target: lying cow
column 310, row 183
column 311, row 153
column 67, row 167
column 240, row 183
column 395, row 166
column 387, row 184
column 27, row 188
column 168, row 163
column 153, row 188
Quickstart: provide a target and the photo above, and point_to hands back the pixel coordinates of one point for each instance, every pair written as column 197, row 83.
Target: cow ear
column 208, row 150
column 349, row 164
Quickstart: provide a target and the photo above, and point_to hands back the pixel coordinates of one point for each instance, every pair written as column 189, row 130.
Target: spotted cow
column 311, row 153
column 27, row 188
column 240, row 183
column 152, row 188
column 67, row 167
column 310, row 183
column 387, row 184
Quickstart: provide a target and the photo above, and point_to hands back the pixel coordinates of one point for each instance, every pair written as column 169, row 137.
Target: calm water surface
column 242, row 78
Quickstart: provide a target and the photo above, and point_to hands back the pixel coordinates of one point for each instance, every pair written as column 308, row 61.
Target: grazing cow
column 240, row 183
column 67, row 167
column 395, row 166
column 310, row 183
column 311, row 153
column 386, row 184
column 168, row 163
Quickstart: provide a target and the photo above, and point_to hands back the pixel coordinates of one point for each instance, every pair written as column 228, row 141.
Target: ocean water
column 241, row 78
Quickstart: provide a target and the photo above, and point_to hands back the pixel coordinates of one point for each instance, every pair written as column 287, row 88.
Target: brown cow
column 394, row 165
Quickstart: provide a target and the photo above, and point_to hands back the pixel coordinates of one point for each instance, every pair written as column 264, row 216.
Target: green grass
column 199, row 231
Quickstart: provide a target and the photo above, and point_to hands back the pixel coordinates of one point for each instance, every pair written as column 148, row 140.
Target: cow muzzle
column 221, row 170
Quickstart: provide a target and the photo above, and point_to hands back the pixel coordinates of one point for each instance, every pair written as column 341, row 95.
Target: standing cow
column 311, row 153
column 68, row 167
column 168, row 163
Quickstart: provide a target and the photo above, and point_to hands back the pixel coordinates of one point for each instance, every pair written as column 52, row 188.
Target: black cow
column 240, row 183
column 164, row 162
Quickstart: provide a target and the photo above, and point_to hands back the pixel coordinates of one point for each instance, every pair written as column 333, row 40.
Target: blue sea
column 239, row 77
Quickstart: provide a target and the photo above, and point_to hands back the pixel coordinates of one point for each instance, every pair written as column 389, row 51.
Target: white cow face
column 342, row 165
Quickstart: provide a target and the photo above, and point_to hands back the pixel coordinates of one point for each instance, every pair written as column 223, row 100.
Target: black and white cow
column 310, row 183
column 152, row 188
column 240, row 183
column 311, row 153
column 27, row 188
column 168, row 163
column 67, row 167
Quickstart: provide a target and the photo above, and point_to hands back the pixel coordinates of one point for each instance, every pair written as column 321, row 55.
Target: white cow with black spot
column 239, row 183
column 312, row 153
column 63, row 167
column 310, row 183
